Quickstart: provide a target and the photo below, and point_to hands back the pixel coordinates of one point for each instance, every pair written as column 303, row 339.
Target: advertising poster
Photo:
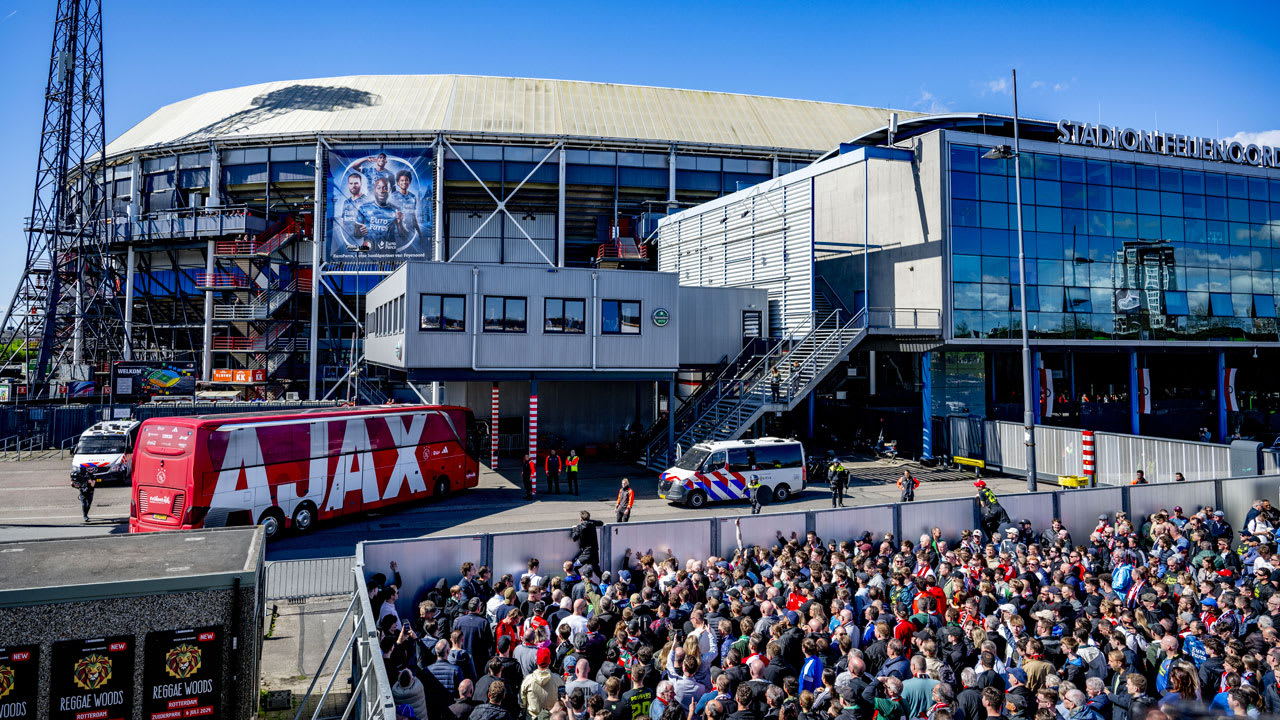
column 92, row 679
column 19, row 681
column 142, row 380
column 182, row 675
column 380, row 203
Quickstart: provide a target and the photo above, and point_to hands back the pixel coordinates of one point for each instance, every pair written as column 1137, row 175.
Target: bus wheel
column 304, row 518
column 272, row 522
column 782, row 493
column 697, row 499
column 442, row 488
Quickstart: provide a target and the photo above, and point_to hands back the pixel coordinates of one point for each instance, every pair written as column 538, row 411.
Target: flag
column 1046, row 389
column 1229, row 389
column 1144, row 391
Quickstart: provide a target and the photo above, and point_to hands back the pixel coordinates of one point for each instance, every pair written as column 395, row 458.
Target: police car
column 106, row 449
column 721, row 471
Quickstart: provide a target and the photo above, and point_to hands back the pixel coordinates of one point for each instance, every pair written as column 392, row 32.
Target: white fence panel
column 422, row 562
column 684, row 538
column 952, row 516
column 511, row 551
column 1121, row 456
column 759, row 530
column 1190, row 496
column 849, row 523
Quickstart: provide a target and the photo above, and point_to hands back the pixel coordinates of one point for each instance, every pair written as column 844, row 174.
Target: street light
column 1004, row 152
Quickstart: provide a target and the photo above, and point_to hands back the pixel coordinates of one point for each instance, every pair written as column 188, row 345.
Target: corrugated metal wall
column 761, row 239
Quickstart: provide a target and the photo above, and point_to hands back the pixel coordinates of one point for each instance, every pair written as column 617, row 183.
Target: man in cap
column 540, row 690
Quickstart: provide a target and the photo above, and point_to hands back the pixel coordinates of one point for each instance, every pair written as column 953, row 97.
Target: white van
column 719, row 471
column 106, row 450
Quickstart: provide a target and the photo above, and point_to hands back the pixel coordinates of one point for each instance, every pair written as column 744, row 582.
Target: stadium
column 220, row 265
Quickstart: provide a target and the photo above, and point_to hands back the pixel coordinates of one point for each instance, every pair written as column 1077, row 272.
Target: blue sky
column 1202, row 69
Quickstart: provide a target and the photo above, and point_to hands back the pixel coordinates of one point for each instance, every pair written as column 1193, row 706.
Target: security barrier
column 1059, row 453
column 423, row 562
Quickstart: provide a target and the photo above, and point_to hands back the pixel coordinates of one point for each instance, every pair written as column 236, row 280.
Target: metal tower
column 64, row 314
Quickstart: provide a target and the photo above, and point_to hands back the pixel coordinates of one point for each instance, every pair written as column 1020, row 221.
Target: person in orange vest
column 529, row 476
column 552, row 465
column 626, row 498
column 571, row 463
column 1139, row 479
column 908, row 484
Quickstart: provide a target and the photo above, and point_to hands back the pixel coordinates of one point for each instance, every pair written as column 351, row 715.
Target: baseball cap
column 1102, row 517
column 1018, row 674
column 1177, row 508
column 544, row 657
column 1219, row 513
column 624, row 575
column 980, row 484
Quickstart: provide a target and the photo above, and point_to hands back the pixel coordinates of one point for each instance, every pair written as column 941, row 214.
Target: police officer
column 753, row 490
column 837, row 476
column 571, row 463
column 84, row 482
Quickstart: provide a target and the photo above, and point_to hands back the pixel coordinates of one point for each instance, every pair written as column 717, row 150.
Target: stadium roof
column 421, row 104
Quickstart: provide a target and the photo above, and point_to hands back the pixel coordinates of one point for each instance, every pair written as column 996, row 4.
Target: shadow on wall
column 317, row 98
column 845, row 273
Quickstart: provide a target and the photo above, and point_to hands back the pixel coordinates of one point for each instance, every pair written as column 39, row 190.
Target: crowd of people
column 1143, row 618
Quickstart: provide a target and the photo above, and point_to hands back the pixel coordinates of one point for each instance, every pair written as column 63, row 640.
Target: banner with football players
column 380, row 203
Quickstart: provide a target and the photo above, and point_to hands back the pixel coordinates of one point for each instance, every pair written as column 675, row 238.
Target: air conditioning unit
column 291, row 396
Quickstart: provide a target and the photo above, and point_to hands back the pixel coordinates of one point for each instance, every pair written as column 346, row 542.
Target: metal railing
column 905, row 319
column 318, row 577
column 260, row 308
column 371, row 697
column 68, row 444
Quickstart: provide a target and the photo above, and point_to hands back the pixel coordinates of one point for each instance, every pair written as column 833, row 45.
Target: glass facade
column 1115, row 250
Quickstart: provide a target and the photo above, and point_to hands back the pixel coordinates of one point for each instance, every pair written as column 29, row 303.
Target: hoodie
column 540, row 691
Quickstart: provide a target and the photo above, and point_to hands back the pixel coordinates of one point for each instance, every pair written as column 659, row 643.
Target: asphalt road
column 37, row 501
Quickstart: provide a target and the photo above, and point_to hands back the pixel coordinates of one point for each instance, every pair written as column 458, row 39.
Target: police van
column 106, row 450
column 721, row 471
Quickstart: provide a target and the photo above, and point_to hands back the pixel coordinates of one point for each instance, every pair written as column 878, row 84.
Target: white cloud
column 1037, row 84
column 1000, row 85
column 11, row 14
column 1059, row 87
column 929, row 103
column 1266, row 137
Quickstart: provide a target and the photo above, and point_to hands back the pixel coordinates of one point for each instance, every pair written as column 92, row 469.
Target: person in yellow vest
column 571, row 463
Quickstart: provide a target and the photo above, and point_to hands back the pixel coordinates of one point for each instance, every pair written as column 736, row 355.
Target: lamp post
column 1004, row 152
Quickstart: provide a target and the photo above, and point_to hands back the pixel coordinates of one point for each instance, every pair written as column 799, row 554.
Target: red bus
column 290, row 469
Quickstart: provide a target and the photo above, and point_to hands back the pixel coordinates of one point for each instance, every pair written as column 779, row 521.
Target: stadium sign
column 1196, row 148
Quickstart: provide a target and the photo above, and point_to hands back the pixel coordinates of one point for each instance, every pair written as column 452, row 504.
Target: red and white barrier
column 1086, row 453
column 493, row 429
column 533, row 440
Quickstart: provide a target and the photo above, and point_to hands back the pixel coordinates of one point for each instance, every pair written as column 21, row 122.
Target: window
column 564, row 315
column 443, row 312
column 620, row 317
column 741, row 460
column 778, row 456
column 1220, row 305
column 504, row 314
column 1264, row 306
column 1175, row 303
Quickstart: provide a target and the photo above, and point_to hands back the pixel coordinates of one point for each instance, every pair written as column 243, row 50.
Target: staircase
column 747, row 395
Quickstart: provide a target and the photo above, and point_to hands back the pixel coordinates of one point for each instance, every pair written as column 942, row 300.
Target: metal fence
column 1059, row 451
column 295, row 579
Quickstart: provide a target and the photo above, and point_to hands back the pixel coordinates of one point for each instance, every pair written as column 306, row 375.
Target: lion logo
column 182, row 661
column 6, row 680
column 93, row 671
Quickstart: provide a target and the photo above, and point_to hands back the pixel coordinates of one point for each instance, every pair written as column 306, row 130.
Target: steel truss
column 65, row 307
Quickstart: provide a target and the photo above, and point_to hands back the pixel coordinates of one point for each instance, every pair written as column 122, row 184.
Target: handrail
column 833, row 295
column 813, row 356
column 62, row 449
column 755, row 378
